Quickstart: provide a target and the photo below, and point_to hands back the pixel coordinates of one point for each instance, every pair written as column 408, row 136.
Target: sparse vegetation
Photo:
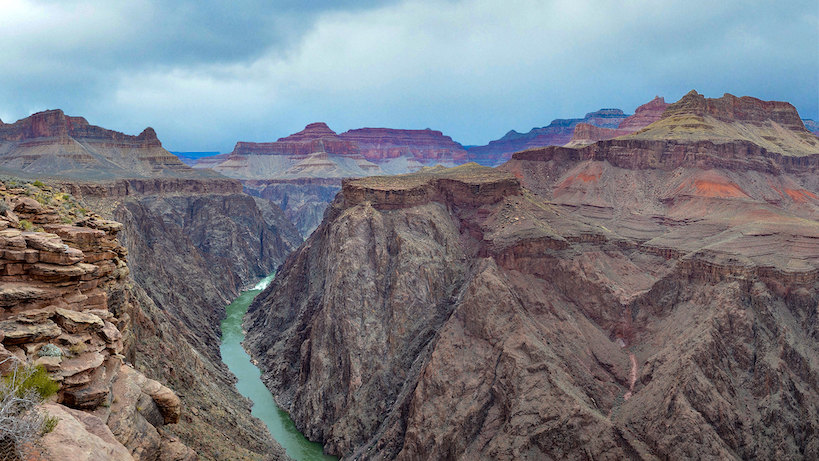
column 21, row 423
column 26, row 225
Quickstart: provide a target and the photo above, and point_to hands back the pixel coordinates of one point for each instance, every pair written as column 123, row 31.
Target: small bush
column 21, row 423
column 26, row 225
column 39, row 184
column 33, row 379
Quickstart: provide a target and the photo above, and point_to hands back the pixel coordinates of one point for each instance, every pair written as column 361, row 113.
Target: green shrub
column 39, row 184
column 23, row 423
column 32, row 379
column 26, row 225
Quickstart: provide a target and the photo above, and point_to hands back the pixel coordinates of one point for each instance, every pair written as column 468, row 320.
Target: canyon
column 646, row 289
column 302, row 172
column 193, row 240
column 653, row 296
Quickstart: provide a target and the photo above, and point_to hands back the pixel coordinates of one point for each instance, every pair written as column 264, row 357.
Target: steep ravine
column 191, row 253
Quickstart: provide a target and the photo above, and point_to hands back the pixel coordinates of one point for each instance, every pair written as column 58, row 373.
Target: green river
column 250, row 384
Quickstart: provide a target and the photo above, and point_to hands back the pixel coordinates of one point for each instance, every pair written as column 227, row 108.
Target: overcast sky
column 207, row 73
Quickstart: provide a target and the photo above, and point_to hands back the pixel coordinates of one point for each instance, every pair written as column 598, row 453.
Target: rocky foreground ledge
column 59, row 266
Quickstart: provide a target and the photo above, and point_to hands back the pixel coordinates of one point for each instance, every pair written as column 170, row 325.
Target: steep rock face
column 191, row 254
column 645, row 115
column 56, row 285
column 637, row 298
column 557, row 133
column 302, row 200
column 811, row 125
column 52, row 143
column 425, row 146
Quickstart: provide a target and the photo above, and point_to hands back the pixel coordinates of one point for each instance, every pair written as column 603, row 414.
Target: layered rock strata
column 52, row 143
column 194, row 241
column 639, row 298
column 56, row 283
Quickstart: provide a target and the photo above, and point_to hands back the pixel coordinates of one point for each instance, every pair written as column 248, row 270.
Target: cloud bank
column 206, row 74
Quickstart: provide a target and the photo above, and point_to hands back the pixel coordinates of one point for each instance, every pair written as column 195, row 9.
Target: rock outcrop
column 57, row 280
column 557, row 133
column 633, row 299
column 52, row 143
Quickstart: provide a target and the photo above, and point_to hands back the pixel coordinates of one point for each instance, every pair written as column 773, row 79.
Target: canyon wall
column 638, row 298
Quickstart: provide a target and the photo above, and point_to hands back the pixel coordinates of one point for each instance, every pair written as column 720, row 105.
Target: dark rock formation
column 634, row 299
column 302, row 200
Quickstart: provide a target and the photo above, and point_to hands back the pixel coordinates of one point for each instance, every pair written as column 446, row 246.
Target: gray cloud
column 208, row 73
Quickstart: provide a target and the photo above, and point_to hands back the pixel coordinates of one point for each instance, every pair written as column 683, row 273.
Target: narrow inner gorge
column 250, row 384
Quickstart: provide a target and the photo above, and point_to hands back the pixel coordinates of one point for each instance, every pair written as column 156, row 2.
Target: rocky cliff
column 194, row 240
column 302, row 200
column 557, row 133
column 190, row 255
column 60, row 266
column 639, row 298
column 52, row 143
column 811, row 125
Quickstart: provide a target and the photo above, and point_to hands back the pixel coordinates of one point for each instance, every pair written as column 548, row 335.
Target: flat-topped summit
column 730, row 108
column 470, row 183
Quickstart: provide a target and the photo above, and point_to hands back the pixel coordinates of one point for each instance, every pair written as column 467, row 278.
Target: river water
column 250, row 384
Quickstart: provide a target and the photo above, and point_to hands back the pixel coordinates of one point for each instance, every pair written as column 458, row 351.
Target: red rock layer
column 644, row 116
column 379, row 144
column 315, row 137
column 55, row 124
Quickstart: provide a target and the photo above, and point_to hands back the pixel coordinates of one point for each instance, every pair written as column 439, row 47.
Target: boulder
column 80, row 436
